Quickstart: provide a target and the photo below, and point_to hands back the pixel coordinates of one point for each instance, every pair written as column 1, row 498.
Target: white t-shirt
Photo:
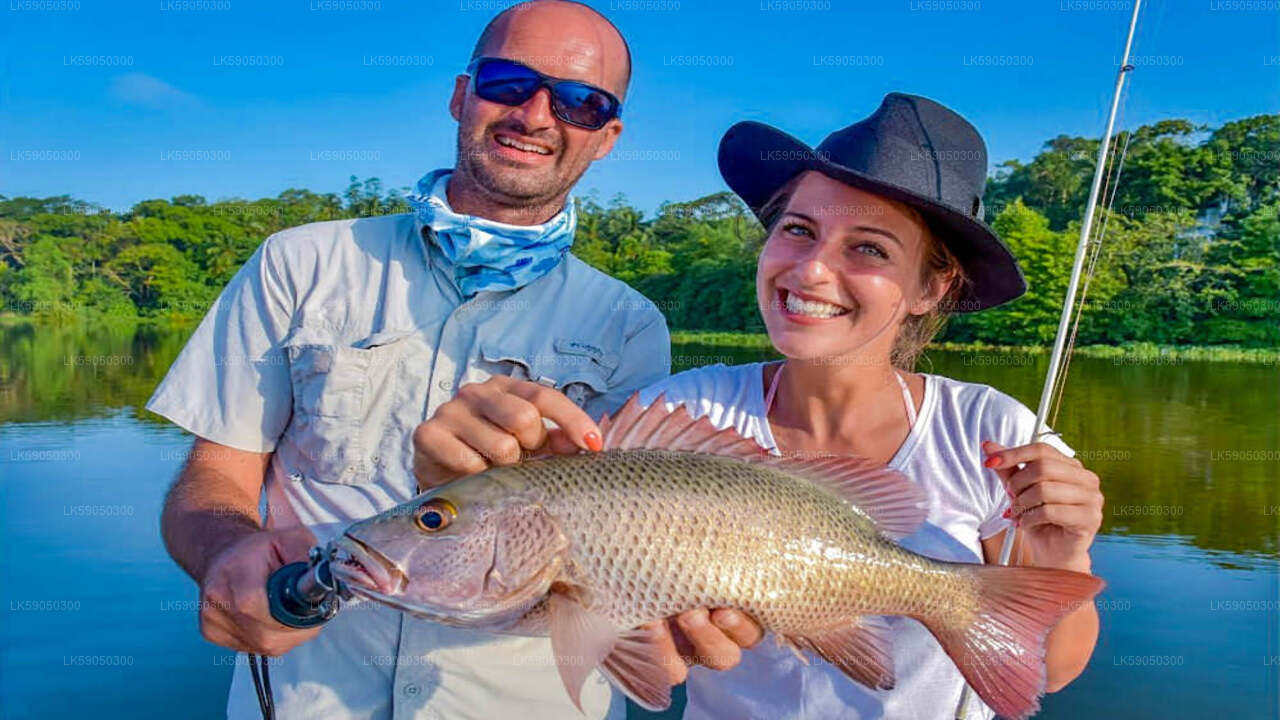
column 942, row 453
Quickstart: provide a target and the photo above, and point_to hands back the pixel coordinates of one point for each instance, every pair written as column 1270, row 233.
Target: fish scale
column 656, row 532
column 674, row 515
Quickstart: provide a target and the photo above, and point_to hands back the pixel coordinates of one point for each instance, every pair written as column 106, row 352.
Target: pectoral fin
column 583, row 640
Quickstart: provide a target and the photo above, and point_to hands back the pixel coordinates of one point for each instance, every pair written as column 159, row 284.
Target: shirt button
column 445, row 384
column 411, row 690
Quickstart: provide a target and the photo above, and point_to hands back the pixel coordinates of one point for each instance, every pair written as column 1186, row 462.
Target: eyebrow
column 864, row 228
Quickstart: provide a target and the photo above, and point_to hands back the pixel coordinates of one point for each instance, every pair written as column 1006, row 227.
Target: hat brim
column 756, row 159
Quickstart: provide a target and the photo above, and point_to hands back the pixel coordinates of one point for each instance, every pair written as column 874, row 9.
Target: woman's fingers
column 1081, row 519
column 1053, row 493
column 1050, row 470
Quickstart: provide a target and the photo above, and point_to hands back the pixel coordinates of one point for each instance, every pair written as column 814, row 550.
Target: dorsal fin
column 896, row 504
column 654, row 427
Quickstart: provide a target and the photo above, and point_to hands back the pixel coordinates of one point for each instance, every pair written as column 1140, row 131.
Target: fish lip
column 357, row 562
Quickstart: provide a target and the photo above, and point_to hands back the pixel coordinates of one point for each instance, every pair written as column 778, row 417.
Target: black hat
column 912, row 150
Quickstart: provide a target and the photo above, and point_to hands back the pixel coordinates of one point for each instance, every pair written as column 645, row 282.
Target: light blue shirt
column 331, row 344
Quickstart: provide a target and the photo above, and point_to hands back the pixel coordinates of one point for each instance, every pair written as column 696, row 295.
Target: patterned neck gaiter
column 488, row 255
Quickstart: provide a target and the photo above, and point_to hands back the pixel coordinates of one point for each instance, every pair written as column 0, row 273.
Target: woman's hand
column 714, row 638
column 1055, row 501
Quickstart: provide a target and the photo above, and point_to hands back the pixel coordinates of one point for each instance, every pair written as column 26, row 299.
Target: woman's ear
column 936, row 289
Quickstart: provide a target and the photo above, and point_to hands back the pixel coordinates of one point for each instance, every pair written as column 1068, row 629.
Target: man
column 306, row 381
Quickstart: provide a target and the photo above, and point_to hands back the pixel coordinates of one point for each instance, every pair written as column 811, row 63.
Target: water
column 95, row 618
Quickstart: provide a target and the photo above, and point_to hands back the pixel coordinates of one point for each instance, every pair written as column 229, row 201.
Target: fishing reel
column 306, row 594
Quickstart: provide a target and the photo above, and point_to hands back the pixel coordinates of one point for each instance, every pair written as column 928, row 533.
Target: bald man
column 306, row 381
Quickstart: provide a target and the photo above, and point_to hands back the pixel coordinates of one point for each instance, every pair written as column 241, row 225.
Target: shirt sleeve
column 645, row 359
column 230, row 384
column 1011, row 424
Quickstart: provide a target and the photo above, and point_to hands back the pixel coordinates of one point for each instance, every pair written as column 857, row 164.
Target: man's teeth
column 504, row 140
column 812, row 308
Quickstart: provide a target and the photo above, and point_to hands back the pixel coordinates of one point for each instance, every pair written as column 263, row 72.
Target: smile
column 524, row 146
column 793, row 304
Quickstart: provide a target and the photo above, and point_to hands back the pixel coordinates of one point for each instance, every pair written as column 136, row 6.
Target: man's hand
column 494, row 423
column 233, row 596
column 712, row 638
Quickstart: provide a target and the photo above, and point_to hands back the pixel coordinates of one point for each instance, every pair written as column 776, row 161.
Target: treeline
column 1191, row 252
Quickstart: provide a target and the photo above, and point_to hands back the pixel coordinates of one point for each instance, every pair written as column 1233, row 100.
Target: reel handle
column 304, row 594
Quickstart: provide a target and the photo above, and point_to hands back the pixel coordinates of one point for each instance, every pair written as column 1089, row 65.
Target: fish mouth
column 363, row 568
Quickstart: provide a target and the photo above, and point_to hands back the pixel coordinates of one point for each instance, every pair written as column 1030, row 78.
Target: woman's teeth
column 812, row 308
column 504, row 140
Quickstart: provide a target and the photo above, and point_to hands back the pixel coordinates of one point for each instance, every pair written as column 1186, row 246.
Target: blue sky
column 116, row 102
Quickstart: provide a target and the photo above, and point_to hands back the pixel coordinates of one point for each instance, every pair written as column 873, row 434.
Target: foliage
column 1191, row 252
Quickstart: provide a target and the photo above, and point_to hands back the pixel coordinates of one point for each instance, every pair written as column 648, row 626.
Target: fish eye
column 435, row 515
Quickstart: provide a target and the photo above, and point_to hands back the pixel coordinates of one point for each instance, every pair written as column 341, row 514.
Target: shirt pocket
column 577, row 369
column 339, row 391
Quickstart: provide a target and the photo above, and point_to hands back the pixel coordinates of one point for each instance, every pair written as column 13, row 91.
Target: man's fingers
column 674, row 664
column 553, row 405
column 711, row 647
column 293, row 544
column 738, row 626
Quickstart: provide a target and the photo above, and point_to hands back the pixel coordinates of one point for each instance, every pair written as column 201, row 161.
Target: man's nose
column 536, row 113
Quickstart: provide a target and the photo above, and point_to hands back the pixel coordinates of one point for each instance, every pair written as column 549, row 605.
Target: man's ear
column 460, row 84
column 611, row 133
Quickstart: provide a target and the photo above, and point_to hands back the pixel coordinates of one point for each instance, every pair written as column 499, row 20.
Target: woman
column 872, row 236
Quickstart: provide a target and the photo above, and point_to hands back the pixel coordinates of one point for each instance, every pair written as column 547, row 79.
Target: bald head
column 580, row 30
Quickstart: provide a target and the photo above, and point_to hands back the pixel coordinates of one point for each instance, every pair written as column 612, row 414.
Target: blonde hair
column 940, row 265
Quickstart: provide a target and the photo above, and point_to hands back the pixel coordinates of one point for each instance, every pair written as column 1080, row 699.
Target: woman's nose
column 814, row 269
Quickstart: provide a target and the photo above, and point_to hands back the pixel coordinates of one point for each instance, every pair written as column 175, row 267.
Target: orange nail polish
column 593, row 441
column 993, row 461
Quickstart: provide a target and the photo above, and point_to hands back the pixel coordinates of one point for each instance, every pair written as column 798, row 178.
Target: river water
column 96, row 620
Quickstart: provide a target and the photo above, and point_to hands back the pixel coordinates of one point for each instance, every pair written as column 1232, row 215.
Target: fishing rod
column 1053, row 378
column 300, row 595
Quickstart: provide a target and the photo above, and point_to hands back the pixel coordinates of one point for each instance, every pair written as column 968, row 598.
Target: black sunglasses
column 511, row 83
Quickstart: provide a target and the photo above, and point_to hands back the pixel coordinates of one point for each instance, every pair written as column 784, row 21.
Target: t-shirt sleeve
column 1011, row 424
column 230, row 384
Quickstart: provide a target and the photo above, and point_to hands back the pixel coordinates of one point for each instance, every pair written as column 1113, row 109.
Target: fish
column 674, row 514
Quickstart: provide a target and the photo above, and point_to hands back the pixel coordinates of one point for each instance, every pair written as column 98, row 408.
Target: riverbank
column 1134, row 352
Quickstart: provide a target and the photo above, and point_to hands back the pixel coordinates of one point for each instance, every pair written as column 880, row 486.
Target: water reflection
column 1187, row 450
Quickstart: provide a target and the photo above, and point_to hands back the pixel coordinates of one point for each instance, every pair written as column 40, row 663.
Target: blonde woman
column 872, row 237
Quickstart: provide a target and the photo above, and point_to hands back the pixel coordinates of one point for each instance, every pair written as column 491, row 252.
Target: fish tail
column 997, row 638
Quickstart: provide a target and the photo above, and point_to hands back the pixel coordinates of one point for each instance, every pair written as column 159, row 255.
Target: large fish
column 675, row 515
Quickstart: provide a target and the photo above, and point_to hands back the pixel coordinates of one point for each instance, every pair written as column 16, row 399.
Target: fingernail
column 1007, row 512
column 593, row 441
column 727, row 620
column 993, row 461
column 695, row 618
